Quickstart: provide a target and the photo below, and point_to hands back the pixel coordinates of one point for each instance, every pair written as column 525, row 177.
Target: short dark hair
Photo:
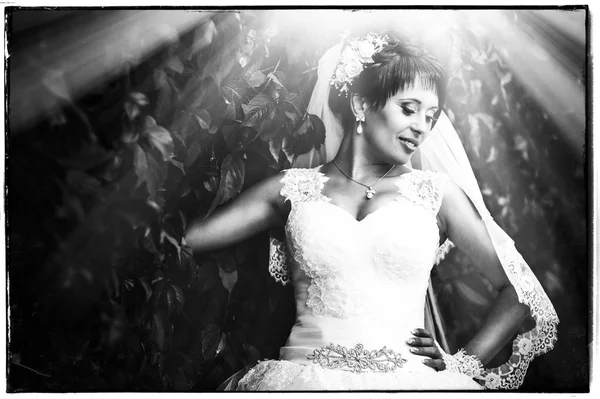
column 396, row 67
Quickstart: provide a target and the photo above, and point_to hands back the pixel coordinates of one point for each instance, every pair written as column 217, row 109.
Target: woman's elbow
column 520, row 309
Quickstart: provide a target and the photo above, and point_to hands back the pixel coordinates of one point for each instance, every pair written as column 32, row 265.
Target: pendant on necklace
column 370, row 192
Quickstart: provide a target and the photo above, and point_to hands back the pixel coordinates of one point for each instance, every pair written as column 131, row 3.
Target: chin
column 400, row 159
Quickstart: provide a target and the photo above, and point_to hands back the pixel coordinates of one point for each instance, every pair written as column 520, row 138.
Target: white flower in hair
column 355, row 55
column 353, row 68
column 365, row 49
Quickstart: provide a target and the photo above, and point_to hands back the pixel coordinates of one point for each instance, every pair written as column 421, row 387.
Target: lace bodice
column 351, row 267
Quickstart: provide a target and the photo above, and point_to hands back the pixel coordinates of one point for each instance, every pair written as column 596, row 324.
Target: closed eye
column 407, row 111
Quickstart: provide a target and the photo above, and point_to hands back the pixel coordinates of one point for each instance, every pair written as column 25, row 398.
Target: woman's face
column 396, row 131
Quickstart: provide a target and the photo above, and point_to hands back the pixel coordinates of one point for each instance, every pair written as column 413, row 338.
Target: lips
column 409, row 143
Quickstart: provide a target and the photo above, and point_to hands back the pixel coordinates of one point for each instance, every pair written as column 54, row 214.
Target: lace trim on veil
column 534, row 342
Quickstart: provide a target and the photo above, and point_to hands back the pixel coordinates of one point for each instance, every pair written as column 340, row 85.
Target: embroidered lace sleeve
column 303, row 185
column 426, row 188
column 299, row 185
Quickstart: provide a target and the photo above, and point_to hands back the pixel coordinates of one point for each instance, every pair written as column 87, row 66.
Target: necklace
column 369, row 191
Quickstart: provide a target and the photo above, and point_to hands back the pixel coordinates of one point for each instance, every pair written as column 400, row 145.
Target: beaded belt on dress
column 357, row 359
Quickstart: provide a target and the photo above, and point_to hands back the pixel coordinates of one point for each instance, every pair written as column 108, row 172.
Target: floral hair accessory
column 355, row 55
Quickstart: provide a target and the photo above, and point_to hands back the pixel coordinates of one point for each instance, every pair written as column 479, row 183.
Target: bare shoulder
column 453, row 198
column 457, row 207
column 452, row 192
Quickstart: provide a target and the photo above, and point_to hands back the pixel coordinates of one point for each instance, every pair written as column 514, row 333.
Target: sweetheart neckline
column 328, row 200
column 343, row 210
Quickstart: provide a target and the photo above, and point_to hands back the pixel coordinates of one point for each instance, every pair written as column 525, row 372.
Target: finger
column 421, row 342
column 421, row 332
column 436, row 364
column 431, row 352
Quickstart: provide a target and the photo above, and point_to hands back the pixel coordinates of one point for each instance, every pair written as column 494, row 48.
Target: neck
column 356, row 159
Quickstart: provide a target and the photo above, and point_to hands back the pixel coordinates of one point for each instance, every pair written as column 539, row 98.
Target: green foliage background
column 105, row 295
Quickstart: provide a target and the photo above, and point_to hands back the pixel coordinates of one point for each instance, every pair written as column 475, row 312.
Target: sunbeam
column 69, row 65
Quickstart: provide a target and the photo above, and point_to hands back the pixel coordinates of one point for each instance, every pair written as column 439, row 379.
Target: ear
column 359, row 105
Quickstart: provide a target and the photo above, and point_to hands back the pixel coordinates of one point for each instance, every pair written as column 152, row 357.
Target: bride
column 363, row 231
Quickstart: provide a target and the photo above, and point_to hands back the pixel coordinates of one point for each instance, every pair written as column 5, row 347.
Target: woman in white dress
column 363, row 230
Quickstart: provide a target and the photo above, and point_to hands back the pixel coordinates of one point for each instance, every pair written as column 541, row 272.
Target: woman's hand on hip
column 423, row 344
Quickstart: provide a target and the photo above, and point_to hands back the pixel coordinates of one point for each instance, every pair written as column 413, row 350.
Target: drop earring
column 360, row 120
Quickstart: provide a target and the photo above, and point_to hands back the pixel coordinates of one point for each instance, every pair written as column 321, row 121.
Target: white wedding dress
column 359, row 288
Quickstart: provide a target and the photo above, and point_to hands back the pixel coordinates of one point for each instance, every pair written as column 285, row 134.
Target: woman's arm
column 463, row 225
column 258, row 208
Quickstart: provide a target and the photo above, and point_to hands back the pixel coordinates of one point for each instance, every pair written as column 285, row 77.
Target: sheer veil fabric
column 443, row 152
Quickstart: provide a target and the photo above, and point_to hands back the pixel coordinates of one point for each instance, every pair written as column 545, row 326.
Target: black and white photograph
column 385, row 198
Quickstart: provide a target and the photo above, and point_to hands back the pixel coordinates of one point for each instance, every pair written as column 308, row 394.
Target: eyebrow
column 415, row 100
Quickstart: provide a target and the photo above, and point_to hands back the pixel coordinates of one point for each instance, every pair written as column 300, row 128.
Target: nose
column 420, row 124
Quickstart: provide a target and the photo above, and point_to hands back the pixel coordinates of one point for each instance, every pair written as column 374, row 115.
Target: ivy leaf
column 178, row 295
column 166, row 95
column 230, row 113
column 287, row 147
column 129, row 284
column 148, row 169
column 155, row 175
column 140, row 163
column 177, row 164
column 174, row 64
column 175, row 242
column 158, row 331
column 272, row 125
column 147, row 288
column 230, row 134
column 210, row 341
column 304, row 128
column 211, row 185
column 277, row 77
column 159, row 137
column 236, row 91
column 232, row 180
column 257, row 110
column 293, row 117
column 318, row 132
column 139, row 99
column 132, row 110
column 228, row 279
column 149, row 244
column 203, row 118
column 172, row 304
column 192, row 153
column 293, row 103
column 207, row 275
column 311, row 134
column 225, row 260
column 257, row 79
column 275, row 145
